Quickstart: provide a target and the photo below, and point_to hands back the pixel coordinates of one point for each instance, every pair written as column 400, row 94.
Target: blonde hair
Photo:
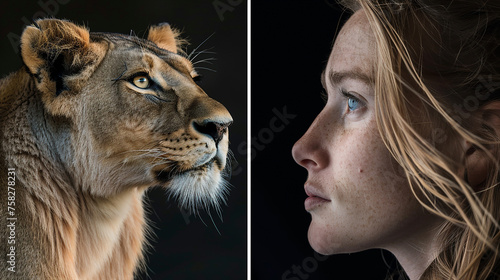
column 438, row 64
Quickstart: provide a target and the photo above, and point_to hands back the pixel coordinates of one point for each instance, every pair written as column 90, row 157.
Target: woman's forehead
column 354, row 48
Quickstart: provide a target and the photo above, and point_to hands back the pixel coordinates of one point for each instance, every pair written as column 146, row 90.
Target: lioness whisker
column 207, row 60
column 206, row 51
column 121, row 75
column 213, row 222
column 195, row 49
column 205, row 68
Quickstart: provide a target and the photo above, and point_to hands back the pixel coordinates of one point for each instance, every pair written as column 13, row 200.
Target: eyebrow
column 338, row 77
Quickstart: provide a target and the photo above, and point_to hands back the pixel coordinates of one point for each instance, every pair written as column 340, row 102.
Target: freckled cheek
column 361, row 168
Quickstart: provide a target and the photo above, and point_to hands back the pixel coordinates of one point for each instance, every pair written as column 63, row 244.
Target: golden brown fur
column 86, row 140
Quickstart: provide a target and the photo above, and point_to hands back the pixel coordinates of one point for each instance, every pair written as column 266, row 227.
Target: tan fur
column 165, row 37
column 86, row 143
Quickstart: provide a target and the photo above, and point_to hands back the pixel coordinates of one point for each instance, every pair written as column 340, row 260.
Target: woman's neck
column 417, row 252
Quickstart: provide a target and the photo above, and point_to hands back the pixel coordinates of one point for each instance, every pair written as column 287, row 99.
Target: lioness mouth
column 165, row 176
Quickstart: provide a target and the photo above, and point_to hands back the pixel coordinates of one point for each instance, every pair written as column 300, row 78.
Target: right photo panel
column 375, row 139
column 290, row 45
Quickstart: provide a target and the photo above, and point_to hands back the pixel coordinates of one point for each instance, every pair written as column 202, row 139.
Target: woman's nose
column 310, row 150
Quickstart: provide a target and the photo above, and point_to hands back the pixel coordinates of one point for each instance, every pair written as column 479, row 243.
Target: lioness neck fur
column 86, row 126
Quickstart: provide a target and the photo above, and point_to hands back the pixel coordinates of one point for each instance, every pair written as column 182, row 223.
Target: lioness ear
column 42, row 43
column 165, row 37
column 59, row 54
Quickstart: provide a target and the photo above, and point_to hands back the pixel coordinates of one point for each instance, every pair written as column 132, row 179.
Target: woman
column 405, row 154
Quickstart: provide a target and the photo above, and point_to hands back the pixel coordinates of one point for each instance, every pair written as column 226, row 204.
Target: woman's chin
column 320, row 241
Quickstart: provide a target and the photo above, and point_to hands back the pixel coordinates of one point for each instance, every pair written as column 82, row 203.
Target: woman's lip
column 314, row 199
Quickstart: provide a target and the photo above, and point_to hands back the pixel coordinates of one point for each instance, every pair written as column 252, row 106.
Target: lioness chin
column 86, row 126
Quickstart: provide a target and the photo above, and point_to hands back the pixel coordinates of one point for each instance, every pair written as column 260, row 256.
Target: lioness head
column 126, row 112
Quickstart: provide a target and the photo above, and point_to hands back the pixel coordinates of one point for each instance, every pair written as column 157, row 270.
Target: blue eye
column 352, row 103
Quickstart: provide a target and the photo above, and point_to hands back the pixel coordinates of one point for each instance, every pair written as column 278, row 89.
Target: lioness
column 86, row 126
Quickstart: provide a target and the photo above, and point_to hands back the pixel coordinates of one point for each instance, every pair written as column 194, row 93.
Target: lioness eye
column 141, row 82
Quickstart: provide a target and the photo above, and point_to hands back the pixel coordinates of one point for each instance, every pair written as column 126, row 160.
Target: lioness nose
column 211, row 128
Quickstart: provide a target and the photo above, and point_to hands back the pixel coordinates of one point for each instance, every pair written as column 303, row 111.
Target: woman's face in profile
column 357, row 195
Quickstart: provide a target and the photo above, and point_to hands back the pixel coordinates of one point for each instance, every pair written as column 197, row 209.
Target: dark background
column 183, row 246
column 291, row 41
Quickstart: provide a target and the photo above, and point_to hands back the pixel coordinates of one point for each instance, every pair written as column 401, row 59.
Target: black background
column 183, row 247
column 291, row 41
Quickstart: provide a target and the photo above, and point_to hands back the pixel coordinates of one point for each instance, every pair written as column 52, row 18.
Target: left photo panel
column 123, row 129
